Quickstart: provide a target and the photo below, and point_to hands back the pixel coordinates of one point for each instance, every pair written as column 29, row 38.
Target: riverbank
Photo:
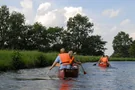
column 14, row 60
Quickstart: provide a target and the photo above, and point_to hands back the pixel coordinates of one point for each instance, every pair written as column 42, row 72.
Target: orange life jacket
column 71, row 60
column 65, row 58
column 104, row 60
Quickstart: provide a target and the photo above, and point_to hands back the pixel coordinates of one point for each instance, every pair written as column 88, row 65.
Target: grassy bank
column 14, row 60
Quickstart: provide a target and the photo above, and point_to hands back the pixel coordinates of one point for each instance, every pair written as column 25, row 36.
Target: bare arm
column 55, row 62
column 53, row 65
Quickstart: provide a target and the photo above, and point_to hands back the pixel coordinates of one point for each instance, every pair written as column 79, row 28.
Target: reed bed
column 15, row 60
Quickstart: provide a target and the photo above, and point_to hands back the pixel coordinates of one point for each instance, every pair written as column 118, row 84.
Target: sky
column 108, row 16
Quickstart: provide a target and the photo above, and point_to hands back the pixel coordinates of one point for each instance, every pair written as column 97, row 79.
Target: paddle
column 94, row 64
column 47, row 72
column 83, row 69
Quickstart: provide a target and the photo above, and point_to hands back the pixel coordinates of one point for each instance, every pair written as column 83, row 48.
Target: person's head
column 70, row 53
column 62, row 50
column 106, row 55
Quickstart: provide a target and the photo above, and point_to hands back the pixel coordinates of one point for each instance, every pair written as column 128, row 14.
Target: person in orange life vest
column 63, row 59
column 72, row 58
column 104, row 60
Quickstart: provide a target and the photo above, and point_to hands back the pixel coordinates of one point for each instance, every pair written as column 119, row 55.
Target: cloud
column 111, row 13
column 26, row 4
column 49, row 16
column 46, row 14
column 27, row 10
column 43, row 8
column 72, row 11
column 125, row 22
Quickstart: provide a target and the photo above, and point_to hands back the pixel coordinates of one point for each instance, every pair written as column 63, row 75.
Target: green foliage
column 16, row 35
column 41, row 61
column 16, row 30
column 39, row 36
column 95, row 46
column 54, row 38
column 50, row 57
column 10, row 60
column 30, row 58
column 4, row 25
column 78, row 37
column 78, row 29
column 121, row 45
column 17, row 61
column 132, row 49
column 121, row 59
column 5, row 60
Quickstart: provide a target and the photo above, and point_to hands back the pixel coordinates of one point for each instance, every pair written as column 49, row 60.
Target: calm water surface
column 120, row 76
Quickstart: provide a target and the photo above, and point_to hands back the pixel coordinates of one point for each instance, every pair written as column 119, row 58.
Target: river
column 120, row 76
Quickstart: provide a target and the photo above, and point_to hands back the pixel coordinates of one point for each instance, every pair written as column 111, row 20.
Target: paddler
column 63, row 59
column 104, row 60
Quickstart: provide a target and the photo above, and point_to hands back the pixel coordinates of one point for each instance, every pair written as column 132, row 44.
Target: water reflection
column 65, row 85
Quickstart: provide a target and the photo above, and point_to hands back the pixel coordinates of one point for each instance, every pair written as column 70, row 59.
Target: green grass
column 29, row 57
column 122, row 59
column 5, row 60
column 14, row 60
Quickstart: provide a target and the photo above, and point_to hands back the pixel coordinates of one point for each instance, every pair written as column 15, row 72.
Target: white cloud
column 49, row 16
column 125, row 22
column 26, row 4
column 44, row 8
column 111, row 13
column 27, row 10
column 72, row 11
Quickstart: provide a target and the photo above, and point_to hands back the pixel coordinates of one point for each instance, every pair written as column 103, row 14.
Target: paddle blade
column 84, row 72
column 94, row 64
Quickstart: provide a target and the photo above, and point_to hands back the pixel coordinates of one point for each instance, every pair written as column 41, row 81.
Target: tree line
column 123, row 45
column 15, row 34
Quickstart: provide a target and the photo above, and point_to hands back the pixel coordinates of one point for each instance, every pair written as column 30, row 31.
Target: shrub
column 41, row 61
column 17, row 61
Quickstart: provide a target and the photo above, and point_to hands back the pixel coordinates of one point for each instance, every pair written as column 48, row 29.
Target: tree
column 54, row 37
column 121, row 44
column 16, row 30
column 26, row 38
column 132, row 49
column 4, row 25
column 94, row 46
column 78, row 37
column 79, row 29
column 39, row 33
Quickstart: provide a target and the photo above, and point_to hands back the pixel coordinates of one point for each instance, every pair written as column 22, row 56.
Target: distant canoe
column 65, row 73
column 103, row 65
